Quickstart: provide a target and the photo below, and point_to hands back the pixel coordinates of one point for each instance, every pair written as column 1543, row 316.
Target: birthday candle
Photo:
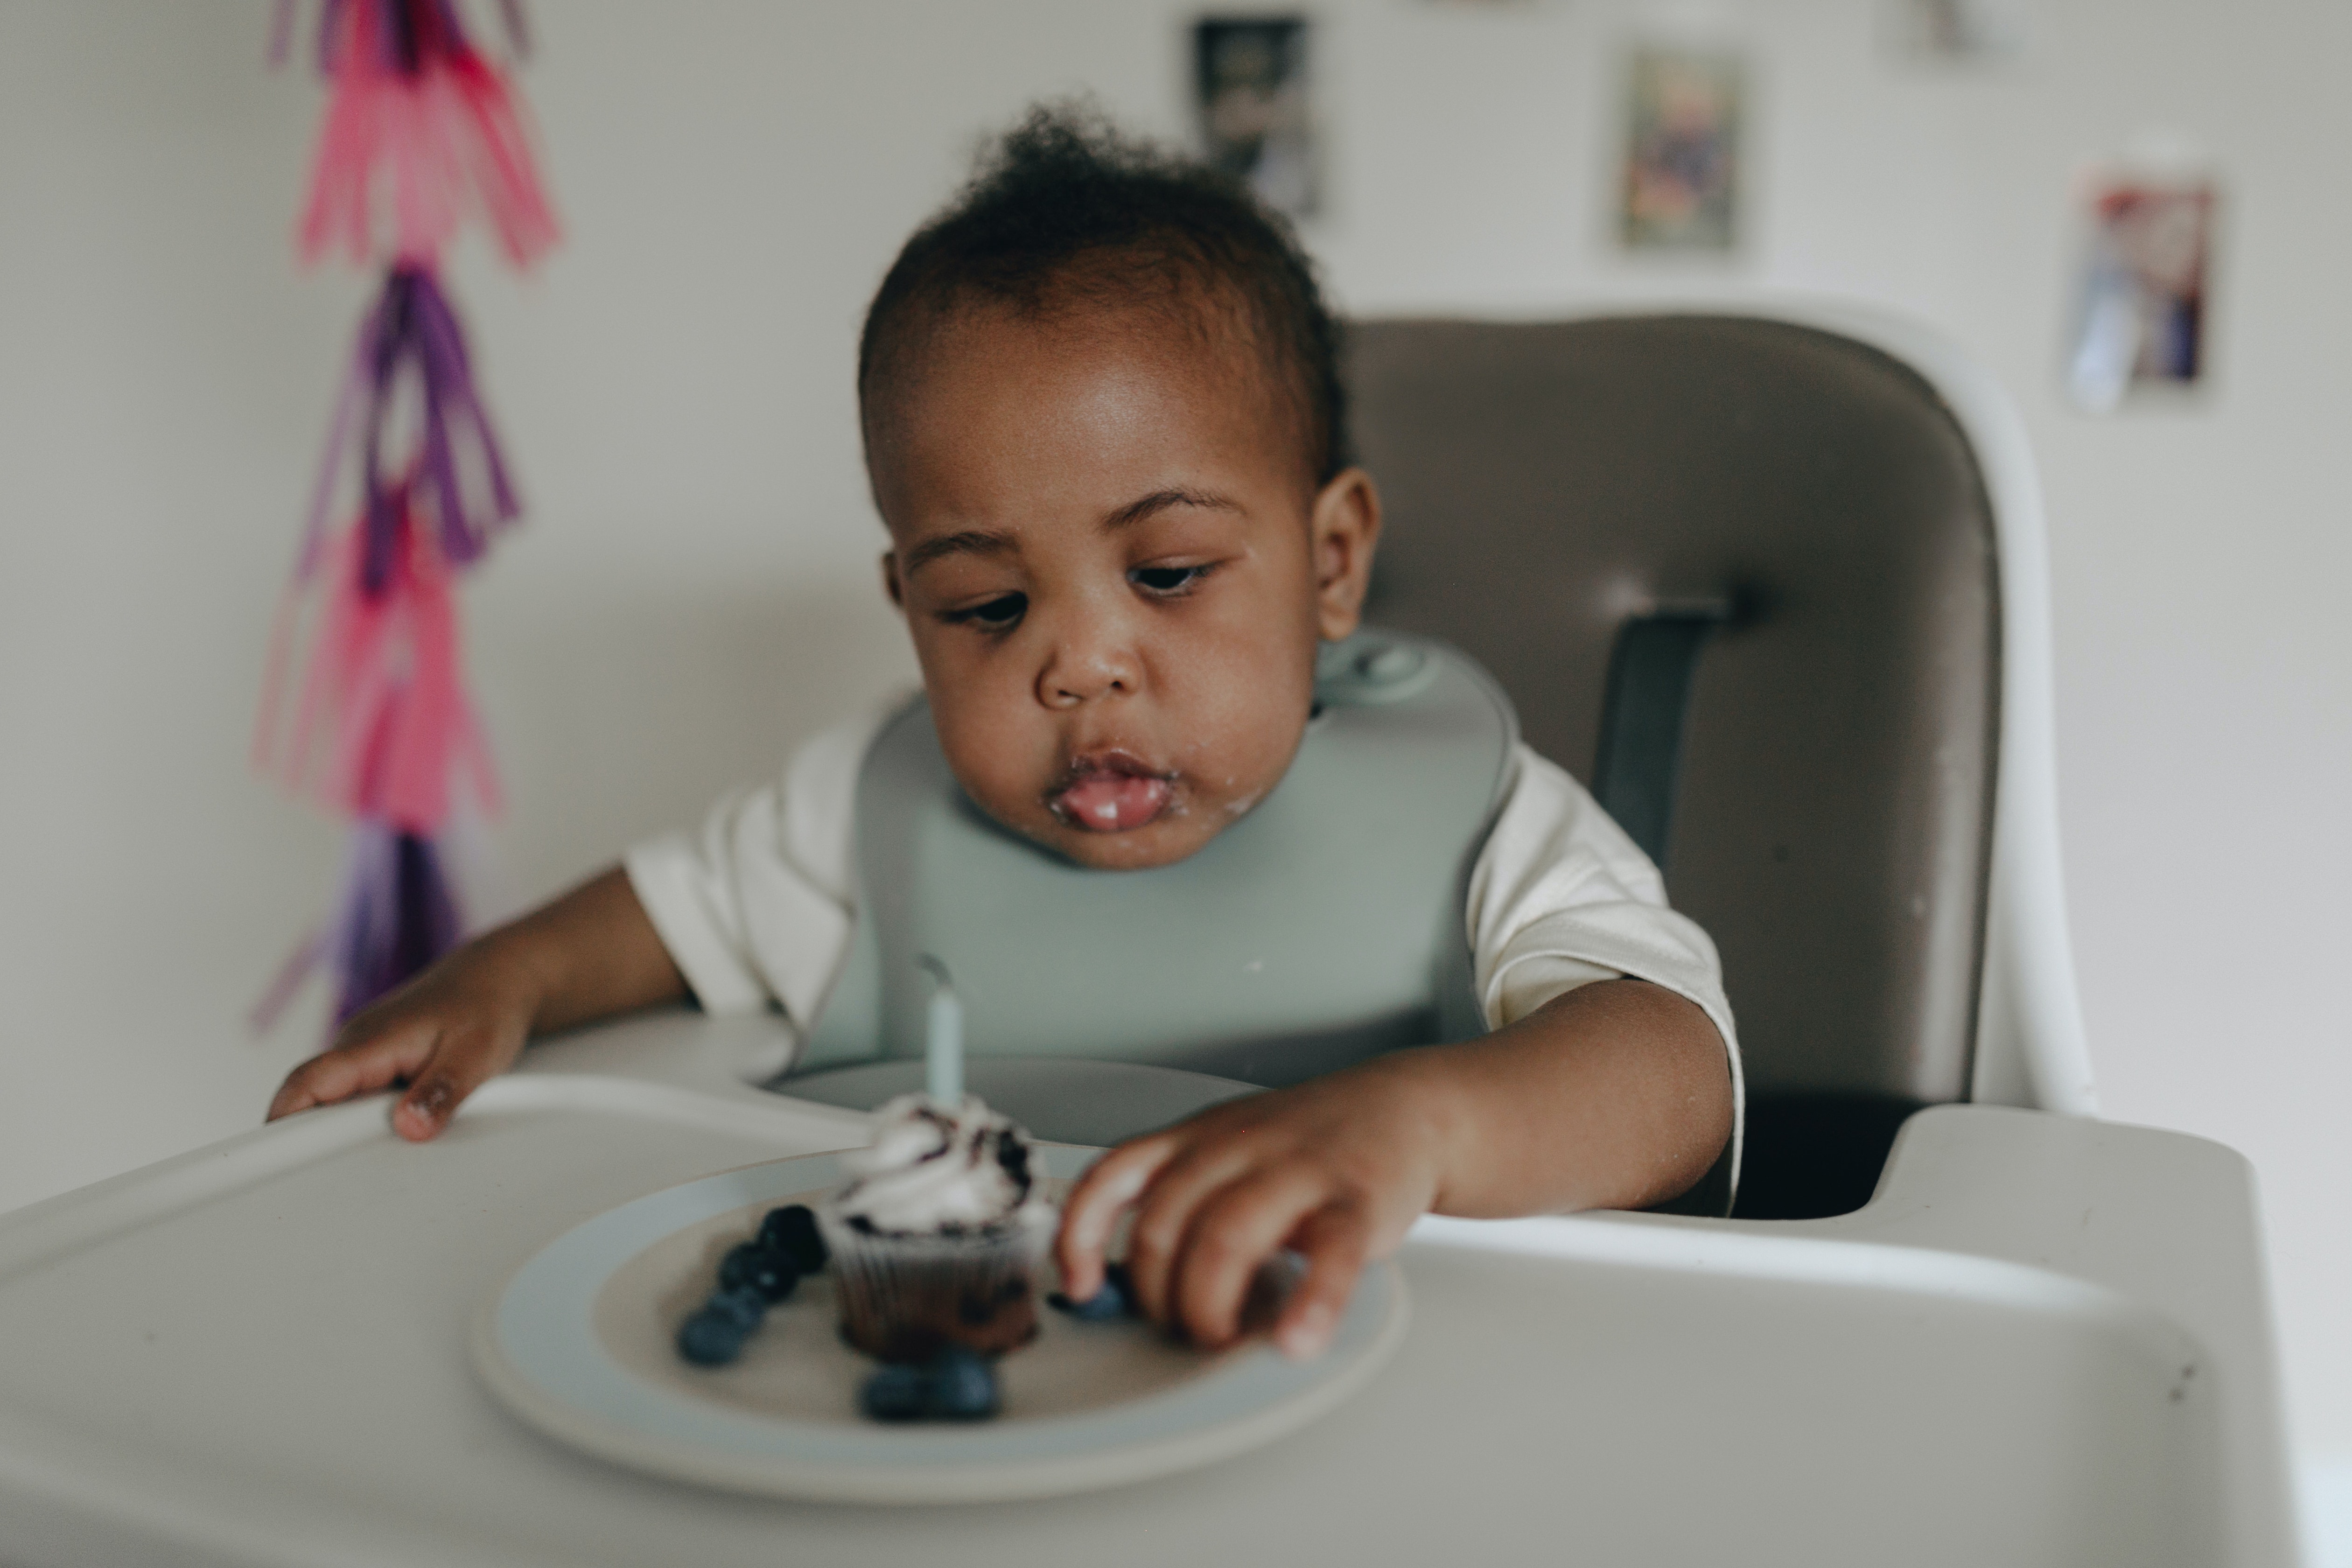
column 943, row 1037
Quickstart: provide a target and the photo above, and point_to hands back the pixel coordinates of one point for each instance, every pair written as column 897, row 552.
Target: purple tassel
column 460, row 475
column 451, row 402
column 399, row 915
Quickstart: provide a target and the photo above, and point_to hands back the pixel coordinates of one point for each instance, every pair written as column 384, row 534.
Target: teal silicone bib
column 1324, row 927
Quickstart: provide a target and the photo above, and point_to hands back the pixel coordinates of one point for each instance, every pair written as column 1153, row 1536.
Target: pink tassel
column 418, row 120
column 385, row 685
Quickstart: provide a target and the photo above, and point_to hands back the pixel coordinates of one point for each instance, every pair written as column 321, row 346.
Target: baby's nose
column 1078, row 675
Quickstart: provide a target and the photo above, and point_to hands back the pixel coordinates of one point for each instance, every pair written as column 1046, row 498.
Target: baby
column 1104, row 428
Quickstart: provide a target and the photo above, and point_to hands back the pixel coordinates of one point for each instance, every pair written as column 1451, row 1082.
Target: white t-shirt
column 758, row 907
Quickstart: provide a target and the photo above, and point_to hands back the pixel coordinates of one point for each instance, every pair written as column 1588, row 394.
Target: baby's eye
column 1166, row 579
column 994, row 614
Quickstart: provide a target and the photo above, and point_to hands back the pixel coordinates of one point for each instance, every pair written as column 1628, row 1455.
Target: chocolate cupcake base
column 903, row 1297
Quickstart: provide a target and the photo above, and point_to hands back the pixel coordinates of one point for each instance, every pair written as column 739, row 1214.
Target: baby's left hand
column 1336, row 1169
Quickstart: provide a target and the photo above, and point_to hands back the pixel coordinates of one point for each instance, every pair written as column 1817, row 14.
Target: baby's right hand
column 461, row 1022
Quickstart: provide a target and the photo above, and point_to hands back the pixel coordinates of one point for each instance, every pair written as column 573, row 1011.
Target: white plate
column 579, row 1344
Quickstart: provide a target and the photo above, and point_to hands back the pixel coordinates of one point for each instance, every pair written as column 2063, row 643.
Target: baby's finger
column 1235, row 1231
column 1165, row 1215
column 338, row 1074
column 461, row 1063
column 1335, row 1241
column 1094, row 1205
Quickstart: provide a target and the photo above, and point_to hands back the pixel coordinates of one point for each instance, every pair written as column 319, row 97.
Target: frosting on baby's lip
column 937, row 1170
column 1111, row 790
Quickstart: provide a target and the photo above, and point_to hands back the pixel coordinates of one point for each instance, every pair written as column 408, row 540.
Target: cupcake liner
column 903, row 1297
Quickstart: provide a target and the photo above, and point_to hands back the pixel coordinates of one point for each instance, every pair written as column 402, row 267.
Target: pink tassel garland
column 421, row 134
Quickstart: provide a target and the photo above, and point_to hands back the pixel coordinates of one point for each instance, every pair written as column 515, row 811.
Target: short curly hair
column 1064, row 210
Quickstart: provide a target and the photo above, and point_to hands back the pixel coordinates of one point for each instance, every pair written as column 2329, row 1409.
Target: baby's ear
column 1344, row 529
column 890, row 579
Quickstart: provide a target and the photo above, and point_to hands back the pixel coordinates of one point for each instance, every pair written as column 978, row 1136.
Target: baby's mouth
column 1110, row 792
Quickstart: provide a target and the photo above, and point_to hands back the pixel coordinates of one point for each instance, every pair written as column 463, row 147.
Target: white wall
column 694, row 584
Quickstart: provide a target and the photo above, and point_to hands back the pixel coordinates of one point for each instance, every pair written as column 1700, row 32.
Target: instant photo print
column 1250, row 92
column 2142, row 317
column 1954, row 32
column 1681, row 186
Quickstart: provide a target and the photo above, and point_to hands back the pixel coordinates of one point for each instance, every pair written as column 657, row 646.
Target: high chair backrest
column 1747, row 578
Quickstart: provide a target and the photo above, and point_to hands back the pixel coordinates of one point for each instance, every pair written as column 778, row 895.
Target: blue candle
column 943, row 1037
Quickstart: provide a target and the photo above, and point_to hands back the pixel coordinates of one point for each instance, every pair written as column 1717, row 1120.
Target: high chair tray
column 2043, row 1343
column 578, row 1344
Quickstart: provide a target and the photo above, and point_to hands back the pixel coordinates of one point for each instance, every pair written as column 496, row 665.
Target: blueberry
column 763, row 1268
column 711, row 1339
column 960, row 1386
column 1110, row 1302
column 714, row 1335
column 896, row 1393
column 791, row 1230
column 744, row 1304
column 1116, row 1274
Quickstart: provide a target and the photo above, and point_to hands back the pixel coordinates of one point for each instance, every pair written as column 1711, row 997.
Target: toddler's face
column 1114, row 573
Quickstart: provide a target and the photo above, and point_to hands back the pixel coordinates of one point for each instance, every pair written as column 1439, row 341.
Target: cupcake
column 938, row 1233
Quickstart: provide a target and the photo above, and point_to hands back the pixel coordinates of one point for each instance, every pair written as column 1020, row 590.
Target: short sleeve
column 757, row 905
column 1560, row 897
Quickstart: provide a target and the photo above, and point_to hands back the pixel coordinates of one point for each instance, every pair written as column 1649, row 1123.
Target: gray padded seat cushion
column 1544, row 481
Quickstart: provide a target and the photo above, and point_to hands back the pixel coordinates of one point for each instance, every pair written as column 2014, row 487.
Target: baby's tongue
column 1111, row 802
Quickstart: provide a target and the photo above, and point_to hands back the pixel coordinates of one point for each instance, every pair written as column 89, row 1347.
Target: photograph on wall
column 1681, row 188
column 2141, row 319
column 1250, row 85
column 1955, row 32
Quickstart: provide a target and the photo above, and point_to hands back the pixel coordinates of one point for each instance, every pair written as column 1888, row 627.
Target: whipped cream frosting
column 934, row 1169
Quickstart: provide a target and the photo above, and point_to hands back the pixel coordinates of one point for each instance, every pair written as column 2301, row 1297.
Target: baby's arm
column 587, row 954
column 1614, row 1095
